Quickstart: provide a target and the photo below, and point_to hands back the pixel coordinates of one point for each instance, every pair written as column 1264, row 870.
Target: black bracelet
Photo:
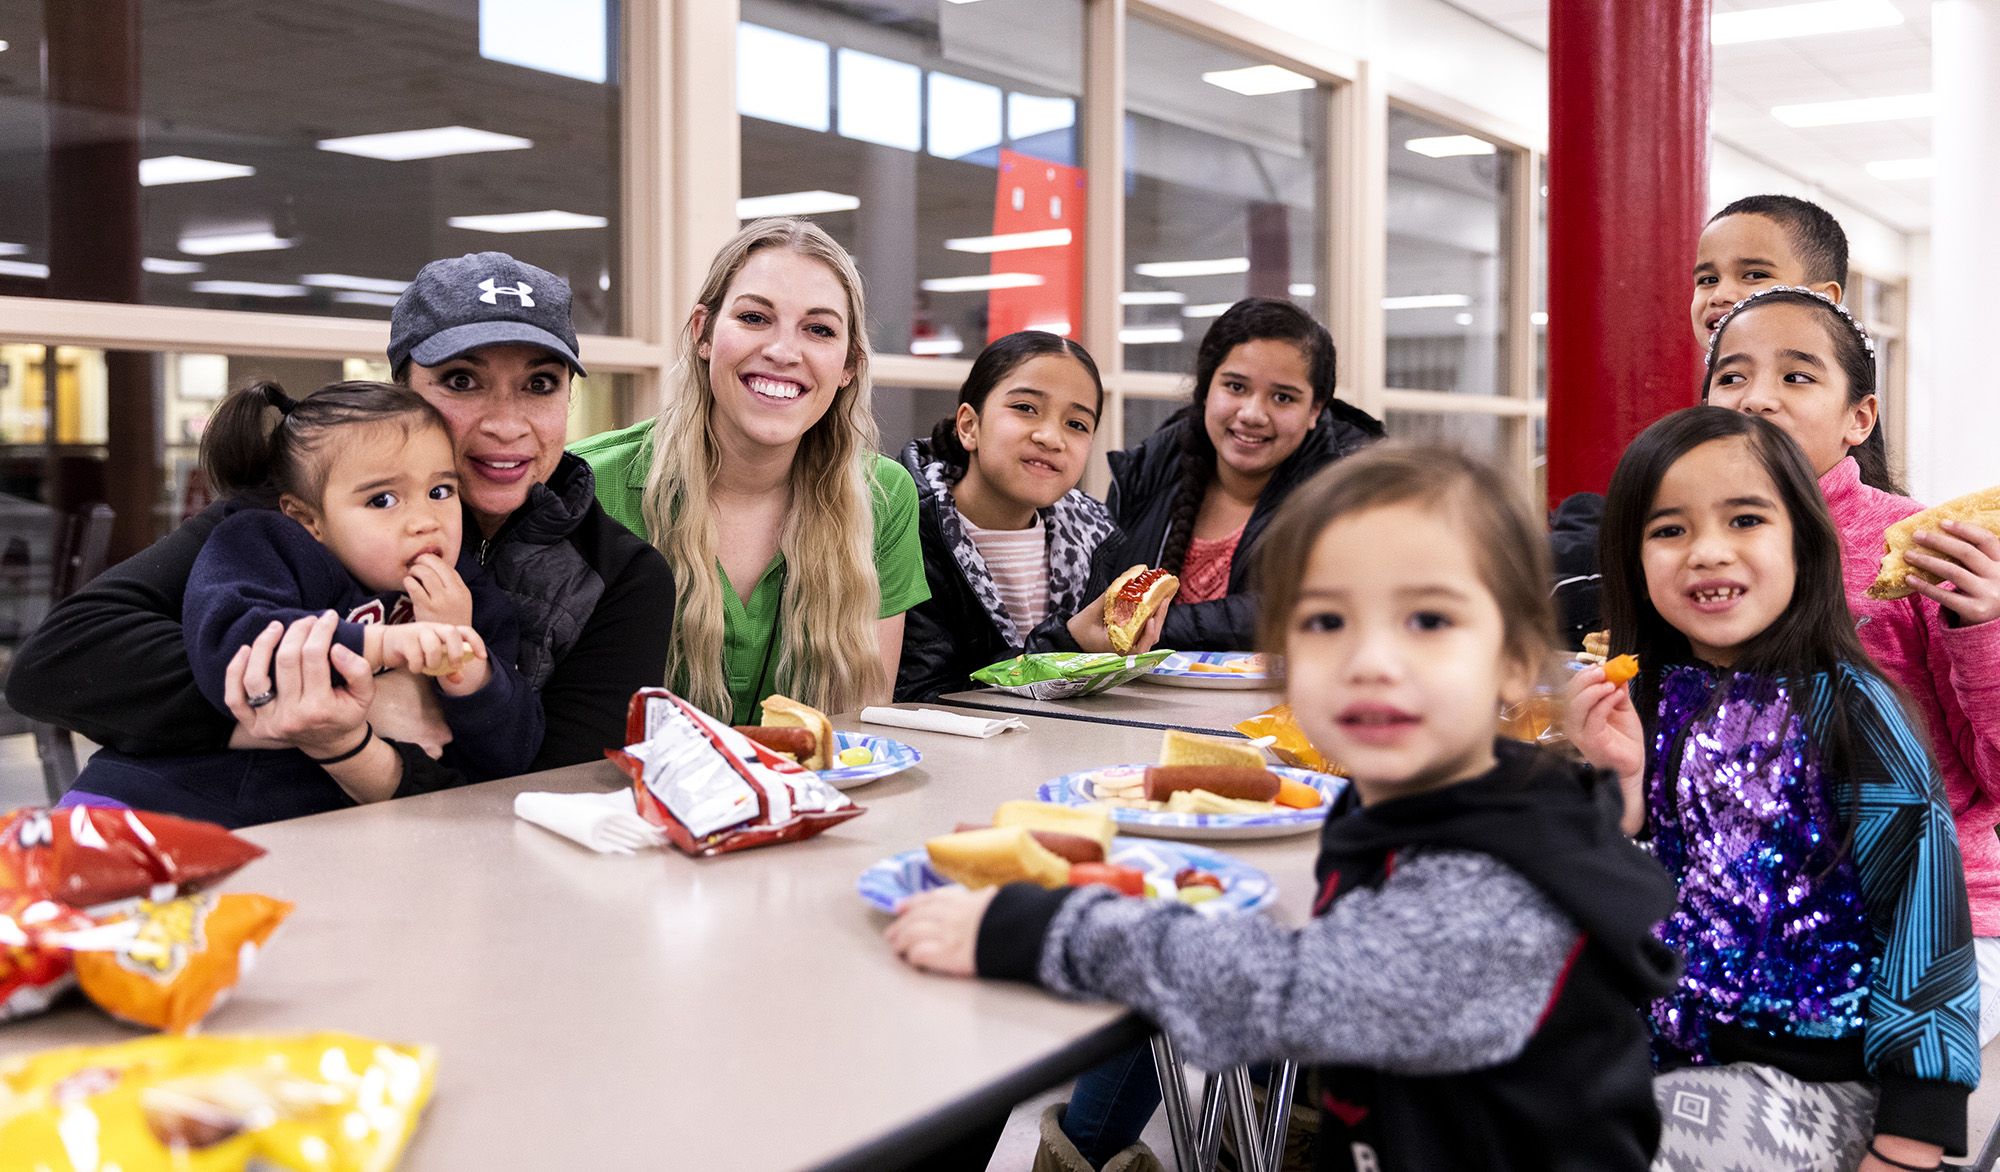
column 1894, row 1163
column 347, row 756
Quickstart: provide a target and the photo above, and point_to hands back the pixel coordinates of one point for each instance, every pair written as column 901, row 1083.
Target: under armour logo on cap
column 494, row 289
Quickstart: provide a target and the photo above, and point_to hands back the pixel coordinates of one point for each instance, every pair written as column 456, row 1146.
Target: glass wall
column 306, row 158
column 1444, row 304
column 939, row 142
column 1223, row 191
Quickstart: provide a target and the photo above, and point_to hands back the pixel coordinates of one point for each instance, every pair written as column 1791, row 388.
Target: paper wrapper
column 711, row 789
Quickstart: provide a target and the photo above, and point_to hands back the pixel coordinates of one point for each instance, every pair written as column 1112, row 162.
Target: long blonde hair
column 828, row 654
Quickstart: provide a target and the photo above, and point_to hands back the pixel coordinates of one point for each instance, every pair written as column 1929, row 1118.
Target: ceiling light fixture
column 361, row 297
column 1151, row 297
column 983, row 282
column 12, row 249
column 548, row 221
column 1150, row 335
column 1258, row 80
column 262, row 240
column 1853, row 110
column 182, row 169
column 1448, row 146
column 160, row 264
column 1904, row 169
column 938, row 347
column 1214, row 309
column 248, row 288
column 1011, row 241
column 1194, row 268
column 1302, row 290
column 1801, row 20
column 343, row 281
column 22, row 268
column 400, row 146
column 794, row 203
column 1428, row 301
column 1538, row 318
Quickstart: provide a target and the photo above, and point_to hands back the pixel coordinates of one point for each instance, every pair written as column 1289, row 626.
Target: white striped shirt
column 1018, row 559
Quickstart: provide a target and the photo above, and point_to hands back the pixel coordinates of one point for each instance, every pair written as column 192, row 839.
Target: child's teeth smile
column 1718, row 594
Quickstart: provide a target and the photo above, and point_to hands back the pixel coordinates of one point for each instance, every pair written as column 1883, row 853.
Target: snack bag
column 170, row 963
column 1292, row 746
column 313, row 1103
column 1537, row 720
column 85, row 856
column 34, row 968
column 713, row 790
column 1059, row 675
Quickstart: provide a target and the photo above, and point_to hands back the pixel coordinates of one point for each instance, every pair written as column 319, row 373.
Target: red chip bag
column 85, row 856
column 34, row 969
column 713, row 790
column 179, row 959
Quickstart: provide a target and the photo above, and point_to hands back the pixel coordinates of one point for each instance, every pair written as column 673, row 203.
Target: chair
column 81, row 544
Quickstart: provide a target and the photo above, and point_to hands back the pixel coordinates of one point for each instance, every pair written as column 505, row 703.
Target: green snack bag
column 1059, row 675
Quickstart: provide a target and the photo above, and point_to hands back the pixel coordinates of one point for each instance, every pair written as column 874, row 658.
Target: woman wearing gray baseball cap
column 489, row 341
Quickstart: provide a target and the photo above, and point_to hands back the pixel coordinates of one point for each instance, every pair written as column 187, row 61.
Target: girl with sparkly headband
column 1829, row 990
column 1798, row 360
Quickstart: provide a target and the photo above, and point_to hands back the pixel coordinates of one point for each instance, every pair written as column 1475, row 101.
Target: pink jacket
column 1953, row 674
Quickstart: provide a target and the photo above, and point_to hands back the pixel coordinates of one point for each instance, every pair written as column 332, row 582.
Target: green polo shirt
column 620, row 460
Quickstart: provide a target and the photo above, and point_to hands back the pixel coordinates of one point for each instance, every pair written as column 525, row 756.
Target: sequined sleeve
column 1924, row 1001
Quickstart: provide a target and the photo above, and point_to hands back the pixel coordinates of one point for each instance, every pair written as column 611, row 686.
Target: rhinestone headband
column 1867, row 343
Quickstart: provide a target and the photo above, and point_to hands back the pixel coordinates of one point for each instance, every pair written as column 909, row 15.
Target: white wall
column 1872, row 246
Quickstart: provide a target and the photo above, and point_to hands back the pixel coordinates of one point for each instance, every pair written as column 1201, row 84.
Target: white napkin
column 607, row 823
column 932, row 720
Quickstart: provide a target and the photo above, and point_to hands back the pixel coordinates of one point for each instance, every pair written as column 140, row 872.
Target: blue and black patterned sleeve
column 1922, row 1038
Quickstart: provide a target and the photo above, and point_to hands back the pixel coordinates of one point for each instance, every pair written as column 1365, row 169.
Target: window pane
column 937, row 142
column 1445, row 311
column 306, row 158
column 1143, row 417
column 1477, row 435
column 1222, row 190
column 907, row 413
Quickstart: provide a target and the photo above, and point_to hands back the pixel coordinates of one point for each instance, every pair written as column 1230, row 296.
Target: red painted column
column 1628, row 188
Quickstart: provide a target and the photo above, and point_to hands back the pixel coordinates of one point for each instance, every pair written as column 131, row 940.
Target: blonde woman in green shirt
column 794, row 540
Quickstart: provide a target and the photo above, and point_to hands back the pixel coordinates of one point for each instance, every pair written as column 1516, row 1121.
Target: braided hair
column 1249, row 320
column 1853, row 352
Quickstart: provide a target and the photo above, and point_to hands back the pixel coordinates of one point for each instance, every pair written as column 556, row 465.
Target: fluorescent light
column 1058, row 327
column 343, row 281
column 1449, row 145
column 22, row 268
column 1215, row 309
column 12, row 249
column 1258, row 80
column 1801, row 20
column 1538, row 318
column 398, row 146
column 1031, row 114
column 880, row 100
column 358, row 297
column 261, row 240
column 794, row 203
column 1302, row 290
column 1463, row 319
column 1846, row 113
column 555, row 36
column 182, row 169
column 549, row 221
column 1428, row 301
column 1151, row 297
column 937, row 346
column 1011, row 241
column 964, row 116
column 1150, row 335
column 3, row 44
column 983, row 281
column 160, row 264
column 248, row 288
column 782, row 77
column 1194, row 268
column 1904, row 169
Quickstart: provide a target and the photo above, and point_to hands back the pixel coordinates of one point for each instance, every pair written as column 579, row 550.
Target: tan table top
column 739, row 1012
column 1141, row 705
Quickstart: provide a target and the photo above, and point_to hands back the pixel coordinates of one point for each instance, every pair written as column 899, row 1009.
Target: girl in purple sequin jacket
column 1822, row 909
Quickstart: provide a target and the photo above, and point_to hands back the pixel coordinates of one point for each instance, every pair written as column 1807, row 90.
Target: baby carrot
column 1621, row 669
column 1296, row 794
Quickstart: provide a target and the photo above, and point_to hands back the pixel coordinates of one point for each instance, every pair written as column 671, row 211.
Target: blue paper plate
column 1177, row 670
column 1244, row 888
column 891, row 756
column 1079, row 789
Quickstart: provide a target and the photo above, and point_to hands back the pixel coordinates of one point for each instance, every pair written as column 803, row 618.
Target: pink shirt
column 1953, row 674
column 1018, row 559
column 1205, row 570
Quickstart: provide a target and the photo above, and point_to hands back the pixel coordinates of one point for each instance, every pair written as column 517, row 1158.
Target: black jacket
column 1143, row 482
column 964, row 625
column 110, row 661
column 1573, row 528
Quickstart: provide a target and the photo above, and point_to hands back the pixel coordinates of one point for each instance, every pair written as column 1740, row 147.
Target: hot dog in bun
column 1131, row 600
column 785, row 712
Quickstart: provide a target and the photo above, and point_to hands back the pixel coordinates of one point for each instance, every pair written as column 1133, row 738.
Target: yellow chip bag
column 313, row 1103
column 181, row 958
column 1292, row 747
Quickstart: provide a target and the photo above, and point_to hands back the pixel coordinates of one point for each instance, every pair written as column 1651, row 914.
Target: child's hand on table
column 1970, row 561
column 1605, row 728
column 437, row 593
column 938, row 931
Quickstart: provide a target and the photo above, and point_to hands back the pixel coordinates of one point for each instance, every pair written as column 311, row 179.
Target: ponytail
column 945, row 445
column 262, row 445
column 1002, row 357
column 239, row 444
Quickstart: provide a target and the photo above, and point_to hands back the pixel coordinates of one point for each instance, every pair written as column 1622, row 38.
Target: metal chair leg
column 1278, row 1113
column 1173, row 1096
column 1249, row 1129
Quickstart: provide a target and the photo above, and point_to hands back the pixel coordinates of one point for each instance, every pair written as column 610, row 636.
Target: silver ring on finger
column 262, row 698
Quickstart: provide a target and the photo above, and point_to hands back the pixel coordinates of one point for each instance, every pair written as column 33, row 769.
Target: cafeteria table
column 1137, row 705
column 738, row 1012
